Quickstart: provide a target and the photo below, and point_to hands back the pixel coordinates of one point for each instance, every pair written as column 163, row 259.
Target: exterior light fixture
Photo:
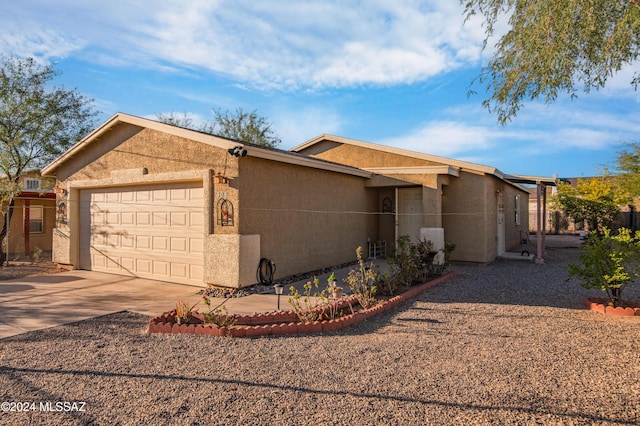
column 279, row 289
column 237, row 151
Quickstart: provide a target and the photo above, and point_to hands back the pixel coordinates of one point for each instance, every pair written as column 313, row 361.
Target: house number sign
column 221, row 194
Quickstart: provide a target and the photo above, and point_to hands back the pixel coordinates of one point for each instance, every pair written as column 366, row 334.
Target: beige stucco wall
column 467, row 203
column 306, row 218
column 231, row 260
column 468, row 217
column 129, row 155
column 357, row 156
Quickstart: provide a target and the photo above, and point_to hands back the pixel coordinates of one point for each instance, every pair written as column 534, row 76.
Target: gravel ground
column 26, row 269
column 506, row 343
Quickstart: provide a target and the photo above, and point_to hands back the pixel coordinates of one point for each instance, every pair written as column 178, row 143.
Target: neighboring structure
column 157, row 201
column 557, row 222
column 33, row 219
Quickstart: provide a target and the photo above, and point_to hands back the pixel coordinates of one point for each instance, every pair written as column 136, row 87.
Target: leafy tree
column 246, row 127
column 609, row 263
column 175, row 120
column 241, row 126
column 37, row 122
column 628, row 162
column 595, row 200
column 555, row 46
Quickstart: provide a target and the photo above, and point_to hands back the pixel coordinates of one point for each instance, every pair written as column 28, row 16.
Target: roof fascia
column 208, row 139
column 399, row 151
column 416, row 170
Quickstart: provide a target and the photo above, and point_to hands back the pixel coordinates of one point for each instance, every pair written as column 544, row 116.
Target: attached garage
column 150, row 231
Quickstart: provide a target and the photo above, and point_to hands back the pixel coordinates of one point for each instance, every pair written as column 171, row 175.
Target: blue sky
column 390, row 72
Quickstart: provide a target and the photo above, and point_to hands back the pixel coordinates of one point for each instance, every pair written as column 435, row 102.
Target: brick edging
column 599, row 304
column 286, row 322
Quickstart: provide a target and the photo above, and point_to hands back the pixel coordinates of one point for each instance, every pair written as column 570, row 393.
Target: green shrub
column 362, row 282
column 609, row 263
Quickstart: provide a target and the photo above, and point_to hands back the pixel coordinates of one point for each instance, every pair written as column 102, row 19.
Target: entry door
column 410, row 215
column 501, row 224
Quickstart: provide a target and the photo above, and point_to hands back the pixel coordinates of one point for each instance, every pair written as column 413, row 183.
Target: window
column 517, row 210
column 35, row 219
column 32, row 184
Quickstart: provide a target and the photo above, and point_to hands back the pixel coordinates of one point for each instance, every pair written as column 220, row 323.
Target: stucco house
column 158, row 201
column 33, row 218
column 484, row 211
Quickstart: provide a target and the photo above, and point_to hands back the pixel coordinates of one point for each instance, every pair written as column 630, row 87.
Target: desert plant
column 37, row 253
column 333, row 289
column 609, row 263
column 362, row 282
column 434, row 268
column 218, row 315
column 184, row 312
column 405, row 262
column 305, row 305
column 387, row 284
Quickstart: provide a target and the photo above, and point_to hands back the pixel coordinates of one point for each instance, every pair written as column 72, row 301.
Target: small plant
column 37, row 252
column 218, row 316
column 332, row 288
column 388, row 284
column 362, row 282
column 405, row 262
column 305, row 305
column 609, row 263
column 184, row 312
column 438, row 265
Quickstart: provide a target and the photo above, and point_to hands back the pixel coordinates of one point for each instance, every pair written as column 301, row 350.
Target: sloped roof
column 217, row 141
column 463, row 165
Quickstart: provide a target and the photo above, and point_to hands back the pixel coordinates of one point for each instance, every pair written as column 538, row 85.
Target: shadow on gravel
column 15, row 374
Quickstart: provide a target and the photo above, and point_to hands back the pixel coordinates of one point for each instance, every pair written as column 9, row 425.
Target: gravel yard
column 506, row 343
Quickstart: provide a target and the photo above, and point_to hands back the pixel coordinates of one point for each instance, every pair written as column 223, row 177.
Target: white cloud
column 287, row 44
column 295, row 126
column 29, row 38
column 445, row 138
column 568, row 130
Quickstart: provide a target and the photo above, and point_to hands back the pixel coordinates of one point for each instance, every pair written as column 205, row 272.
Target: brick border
column 285, row 322
column 599, row 304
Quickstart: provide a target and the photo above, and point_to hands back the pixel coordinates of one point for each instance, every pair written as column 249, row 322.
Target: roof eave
column 213, row 140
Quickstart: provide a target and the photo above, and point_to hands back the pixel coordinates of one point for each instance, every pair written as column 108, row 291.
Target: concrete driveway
column 37, row 302
column 32, row 303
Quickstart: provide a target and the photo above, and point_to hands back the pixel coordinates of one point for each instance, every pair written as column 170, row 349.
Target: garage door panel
column 160, row 243
column 160, row 267
column 128, row 263
column 127, row 241
column 196, row 246
column 178, row 219
column 151, row 232
column 143, row 242
column 160, row 218
column 143, row 218
column 179, row 270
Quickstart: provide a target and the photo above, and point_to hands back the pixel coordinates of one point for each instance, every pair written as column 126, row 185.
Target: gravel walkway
column 506, row 343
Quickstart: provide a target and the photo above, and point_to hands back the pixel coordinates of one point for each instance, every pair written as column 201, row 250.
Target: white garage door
column 154, row 232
